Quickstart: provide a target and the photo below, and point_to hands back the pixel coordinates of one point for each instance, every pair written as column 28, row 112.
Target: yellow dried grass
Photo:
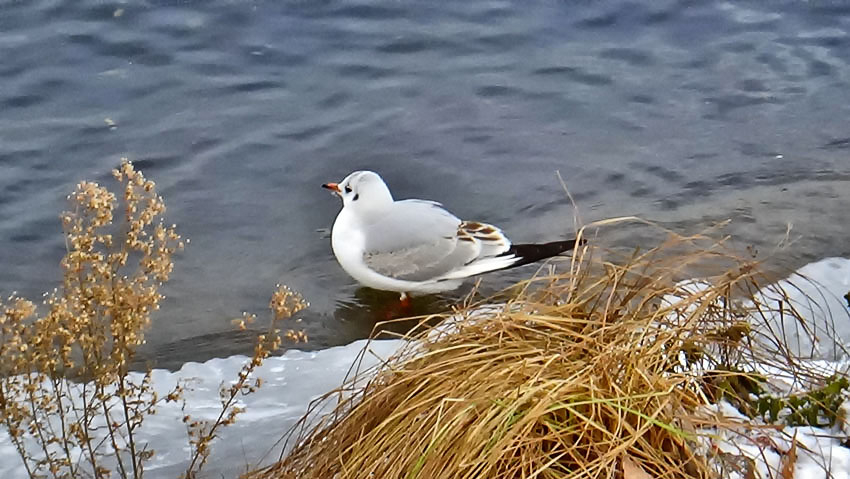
column 576, row 375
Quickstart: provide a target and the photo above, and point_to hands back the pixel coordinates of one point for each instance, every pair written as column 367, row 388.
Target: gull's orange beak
column 333, row 187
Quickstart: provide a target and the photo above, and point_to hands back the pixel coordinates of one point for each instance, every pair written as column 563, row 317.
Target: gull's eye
column 347, row 189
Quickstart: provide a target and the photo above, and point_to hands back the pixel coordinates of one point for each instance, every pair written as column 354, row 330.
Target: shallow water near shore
column 681, row 113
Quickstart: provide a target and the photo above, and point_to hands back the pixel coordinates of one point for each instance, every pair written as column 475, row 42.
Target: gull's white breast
column 348, row 241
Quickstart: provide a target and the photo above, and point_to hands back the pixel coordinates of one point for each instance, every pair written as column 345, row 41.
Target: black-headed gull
column 416, row 246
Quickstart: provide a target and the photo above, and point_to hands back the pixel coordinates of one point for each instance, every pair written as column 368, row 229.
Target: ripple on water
column 409, row 45
column 334, row 100
column 819, row 68
column 154, row 59
column 723, row 105
column 753, row 85
column 599, row 21
column 631, row 56
column 22, row 101
column 575, row 74
column 491, row 91
column 643, row 99
column 661, row 172
column 837, row 144
column 250, row 85
column 369, row 72
column 367, row 12
column 304, row 133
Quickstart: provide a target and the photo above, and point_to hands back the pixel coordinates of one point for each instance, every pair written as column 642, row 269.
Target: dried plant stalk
column 90, row 331
column 67, row 397
column 283, row 304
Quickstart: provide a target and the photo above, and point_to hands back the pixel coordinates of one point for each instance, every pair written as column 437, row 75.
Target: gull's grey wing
column 417, row 241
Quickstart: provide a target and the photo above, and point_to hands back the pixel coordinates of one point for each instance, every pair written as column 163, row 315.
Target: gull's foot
column 405, row 301
column 402, row 309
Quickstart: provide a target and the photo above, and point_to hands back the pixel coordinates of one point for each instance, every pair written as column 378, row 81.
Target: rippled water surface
column 685, row 113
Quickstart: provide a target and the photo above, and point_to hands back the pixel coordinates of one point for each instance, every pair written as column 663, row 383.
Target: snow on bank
column 816, row 292
column 292, row 380
column 817, row 452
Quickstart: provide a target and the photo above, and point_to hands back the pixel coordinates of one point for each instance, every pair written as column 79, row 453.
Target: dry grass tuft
column 596, row 373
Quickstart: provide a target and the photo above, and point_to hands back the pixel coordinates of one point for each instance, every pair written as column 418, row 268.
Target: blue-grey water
column 682, row 112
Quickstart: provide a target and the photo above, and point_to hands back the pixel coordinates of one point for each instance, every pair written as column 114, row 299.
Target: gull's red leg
column 405, row 302
column 402, row 309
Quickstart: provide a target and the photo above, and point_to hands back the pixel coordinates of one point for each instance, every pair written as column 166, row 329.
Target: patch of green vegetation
column 745, row 391
column 734, row 385
column 816, row 408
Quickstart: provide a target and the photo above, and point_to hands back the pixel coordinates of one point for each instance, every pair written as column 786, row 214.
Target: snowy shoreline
column 293, row 380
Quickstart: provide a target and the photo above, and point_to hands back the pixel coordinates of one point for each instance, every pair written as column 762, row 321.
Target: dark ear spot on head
column 357, row 197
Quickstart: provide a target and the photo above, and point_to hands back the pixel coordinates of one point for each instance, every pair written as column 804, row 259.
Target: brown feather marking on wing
column 464, row 235
column 490, row 237
column 471, row 226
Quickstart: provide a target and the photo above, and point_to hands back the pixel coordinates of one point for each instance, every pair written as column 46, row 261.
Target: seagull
column 416, row 246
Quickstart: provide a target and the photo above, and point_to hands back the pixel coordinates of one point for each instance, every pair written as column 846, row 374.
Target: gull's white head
column 362, row 190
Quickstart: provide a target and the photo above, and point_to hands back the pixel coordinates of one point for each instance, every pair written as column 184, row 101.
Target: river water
column 684, row 113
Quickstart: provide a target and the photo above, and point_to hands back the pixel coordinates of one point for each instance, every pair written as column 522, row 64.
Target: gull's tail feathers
column 532, row 253
column 516, row 255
